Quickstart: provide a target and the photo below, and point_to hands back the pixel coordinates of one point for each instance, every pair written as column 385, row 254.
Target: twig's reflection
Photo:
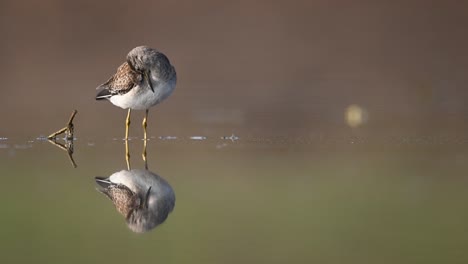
column 68, row 147
column 144, row 198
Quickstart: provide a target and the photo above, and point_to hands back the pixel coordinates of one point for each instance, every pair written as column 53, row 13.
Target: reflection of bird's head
column 142, row 197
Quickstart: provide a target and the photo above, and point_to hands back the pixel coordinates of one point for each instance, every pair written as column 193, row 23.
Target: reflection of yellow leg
column 127, row 124
column 143, row 155
column 127, row 155
column 144, row 124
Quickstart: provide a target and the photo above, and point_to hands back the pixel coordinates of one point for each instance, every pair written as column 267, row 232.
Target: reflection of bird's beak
column 146, row 74
column 145, row 201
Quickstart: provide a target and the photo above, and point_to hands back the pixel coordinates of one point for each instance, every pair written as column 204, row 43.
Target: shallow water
column 300, row 200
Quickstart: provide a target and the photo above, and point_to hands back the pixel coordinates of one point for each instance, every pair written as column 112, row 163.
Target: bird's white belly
column 141, row 97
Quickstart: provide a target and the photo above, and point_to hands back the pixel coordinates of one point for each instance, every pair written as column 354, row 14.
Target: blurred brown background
column 256, row 66
column 255, row 69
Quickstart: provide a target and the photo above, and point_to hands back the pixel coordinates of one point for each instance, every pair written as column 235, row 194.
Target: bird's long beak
column 148, row 80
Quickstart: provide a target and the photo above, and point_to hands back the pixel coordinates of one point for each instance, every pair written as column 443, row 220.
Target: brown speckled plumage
column 123, row 80
column 123, row 198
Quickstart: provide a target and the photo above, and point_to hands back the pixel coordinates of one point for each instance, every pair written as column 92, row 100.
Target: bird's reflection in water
column 141, row 196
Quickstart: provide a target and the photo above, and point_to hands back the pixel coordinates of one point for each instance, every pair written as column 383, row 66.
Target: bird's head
column 140, row 61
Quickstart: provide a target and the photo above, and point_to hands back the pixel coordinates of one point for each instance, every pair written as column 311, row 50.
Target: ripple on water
column 231, row 137
column 198, row 138
column 23, row 146
column 167, row 137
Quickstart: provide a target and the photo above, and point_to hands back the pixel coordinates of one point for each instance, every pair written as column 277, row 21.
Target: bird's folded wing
column 123, row 80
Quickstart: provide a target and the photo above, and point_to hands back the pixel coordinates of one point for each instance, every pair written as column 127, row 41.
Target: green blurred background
column 351, row 118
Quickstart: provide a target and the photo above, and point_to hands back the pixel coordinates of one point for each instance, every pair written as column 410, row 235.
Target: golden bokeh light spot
column 355, row 115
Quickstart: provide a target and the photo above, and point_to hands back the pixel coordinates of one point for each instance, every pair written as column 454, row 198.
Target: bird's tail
column 103, row 182
column 103, row 93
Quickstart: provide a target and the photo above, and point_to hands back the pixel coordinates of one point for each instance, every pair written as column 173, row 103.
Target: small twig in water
column 68, row 129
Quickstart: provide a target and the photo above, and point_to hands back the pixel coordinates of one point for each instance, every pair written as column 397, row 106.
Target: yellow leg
column 127, row 124
column 127, row 155
column 144, row 124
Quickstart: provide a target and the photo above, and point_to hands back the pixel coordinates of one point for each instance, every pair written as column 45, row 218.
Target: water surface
column 299, row 200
